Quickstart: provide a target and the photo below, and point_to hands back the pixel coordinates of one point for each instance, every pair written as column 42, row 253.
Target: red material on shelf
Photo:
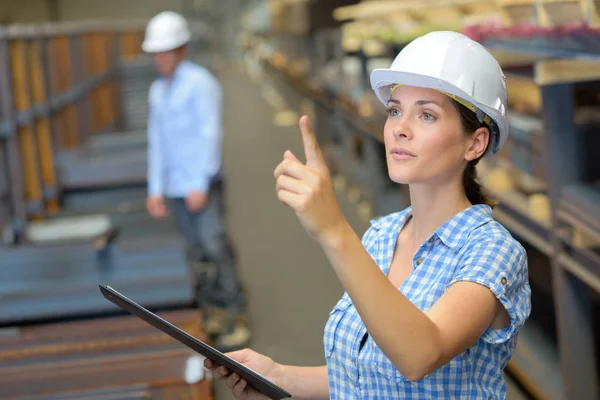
column 574, row 37
column 493, row 31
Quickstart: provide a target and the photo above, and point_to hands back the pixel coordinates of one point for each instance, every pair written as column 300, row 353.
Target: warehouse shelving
column 536, row 364
column 575, row 269
column 536, row 359
column 570, row 239
column 550, row 160
column 530, row 47
column 560, row 73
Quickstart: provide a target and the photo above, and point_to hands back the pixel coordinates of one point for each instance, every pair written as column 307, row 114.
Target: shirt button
column 432, row 239
column 419, row 261
column 503, row 280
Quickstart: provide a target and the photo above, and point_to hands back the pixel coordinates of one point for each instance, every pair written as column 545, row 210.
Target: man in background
column 185, row 178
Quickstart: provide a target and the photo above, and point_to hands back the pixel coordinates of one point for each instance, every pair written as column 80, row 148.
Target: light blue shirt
column 470, row 246
column 184, row 132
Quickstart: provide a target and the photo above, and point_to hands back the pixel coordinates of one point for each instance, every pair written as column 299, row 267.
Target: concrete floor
column 290, row 285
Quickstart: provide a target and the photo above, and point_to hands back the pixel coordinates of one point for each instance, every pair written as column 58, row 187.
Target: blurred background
column 73, row 154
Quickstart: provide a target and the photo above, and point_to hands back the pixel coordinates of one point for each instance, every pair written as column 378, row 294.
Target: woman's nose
column 402, row 128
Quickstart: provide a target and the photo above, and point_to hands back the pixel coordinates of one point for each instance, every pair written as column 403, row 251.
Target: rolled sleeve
column 499, row 264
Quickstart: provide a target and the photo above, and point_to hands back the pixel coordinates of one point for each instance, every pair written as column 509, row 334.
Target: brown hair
column 473, row 188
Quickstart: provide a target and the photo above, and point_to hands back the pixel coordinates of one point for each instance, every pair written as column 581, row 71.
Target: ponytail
column 473, row 189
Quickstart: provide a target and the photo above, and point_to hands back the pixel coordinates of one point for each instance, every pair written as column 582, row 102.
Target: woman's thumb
column 239, row 355
column 290, row 156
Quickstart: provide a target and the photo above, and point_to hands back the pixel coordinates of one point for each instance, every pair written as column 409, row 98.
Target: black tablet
column 254, row 379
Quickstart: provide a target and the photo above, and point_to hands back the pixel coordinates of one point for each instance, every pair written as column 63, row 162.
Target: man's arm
column 208, row 107
column 155, row 160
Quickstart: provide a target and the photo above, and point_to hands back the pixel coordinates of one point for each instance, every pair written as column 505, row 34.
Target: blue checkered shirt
column 470, row 246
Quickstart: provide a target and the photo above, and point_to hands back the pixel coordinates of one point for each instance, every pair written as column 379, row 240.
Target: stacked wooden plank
column 580, row 207
column 112, row 358
column 375, row 26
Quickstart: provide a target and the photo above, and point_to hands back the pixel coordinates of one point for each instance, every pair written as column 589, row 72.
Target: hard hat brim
column 151, row 46
column 383, row 79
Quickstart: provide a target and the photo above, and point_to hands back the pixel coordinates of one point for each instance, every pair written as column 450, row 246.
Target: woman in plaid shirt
column 435, row 294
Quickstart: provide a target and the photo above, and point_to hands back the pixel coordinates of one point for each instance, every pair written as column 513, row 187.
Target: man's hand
column 156, row 207
column 196, row 200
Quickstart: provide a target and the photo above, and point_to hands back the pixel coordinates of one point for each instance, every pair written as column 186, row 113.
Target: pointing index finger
column 314, row 158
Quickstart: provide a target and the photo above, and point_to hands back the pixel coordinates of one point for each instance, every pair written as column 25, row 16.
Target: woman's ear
column 478, row 144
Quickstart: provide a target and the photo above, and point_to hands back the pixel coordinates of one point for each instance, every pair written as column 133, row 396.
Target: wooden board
column 548, row 72
column 111, row 358
column 524, row 95
column 380, row 8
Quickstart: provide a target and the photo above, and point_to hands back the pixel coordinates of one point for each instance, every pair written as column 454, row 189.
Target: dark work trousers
column 210, row 254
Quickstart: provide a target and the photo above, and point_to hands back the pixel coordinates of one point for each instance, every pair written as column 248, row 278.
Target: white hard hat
column 457, row 66
column 166, row 31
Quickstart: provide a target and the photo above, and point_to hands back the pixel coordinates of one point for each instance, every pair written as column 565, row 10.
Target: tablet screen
column 254, row 379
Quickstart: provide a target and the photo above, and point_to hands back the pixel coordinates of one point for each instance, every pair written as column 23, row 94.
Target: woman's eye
column 428, row 117
column 392, row 112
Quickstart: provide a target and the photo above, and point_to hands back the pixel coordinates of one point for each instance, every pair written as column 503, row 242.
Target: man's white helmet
column 166, row 31
column 458, row 66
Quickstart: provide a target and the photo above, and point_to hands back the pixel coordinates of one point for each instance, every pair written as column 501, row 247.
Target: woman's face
column 424, row 138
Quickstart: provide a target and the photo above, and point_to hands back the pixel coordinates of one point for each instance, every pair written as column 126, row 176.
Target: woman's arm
column 308, row 383
column 415, row 342
column 301, row 382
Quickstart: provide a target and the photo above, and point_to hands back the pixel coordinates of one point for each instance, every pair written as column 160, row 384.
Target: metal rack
column 561, row 363
column 60, row 84
column 73, row 105
column 571, row 236
column 572, row 278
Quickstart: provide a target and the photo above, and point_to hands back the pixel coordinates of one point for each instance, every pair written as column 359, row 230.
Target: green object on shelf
column 390, row 35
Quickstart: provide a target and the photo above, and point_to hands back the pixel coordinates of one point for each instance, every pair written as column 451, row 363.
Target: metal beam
column 118, row 83
column 82, row 104
column 11, row 145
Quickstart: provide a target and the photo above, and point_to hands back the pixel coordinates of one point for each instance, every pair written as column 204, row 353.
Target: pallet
column 111, row 358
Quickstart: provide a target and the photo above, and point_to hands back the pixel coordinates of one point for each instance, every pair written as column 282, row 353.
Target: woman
column 435, row 294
